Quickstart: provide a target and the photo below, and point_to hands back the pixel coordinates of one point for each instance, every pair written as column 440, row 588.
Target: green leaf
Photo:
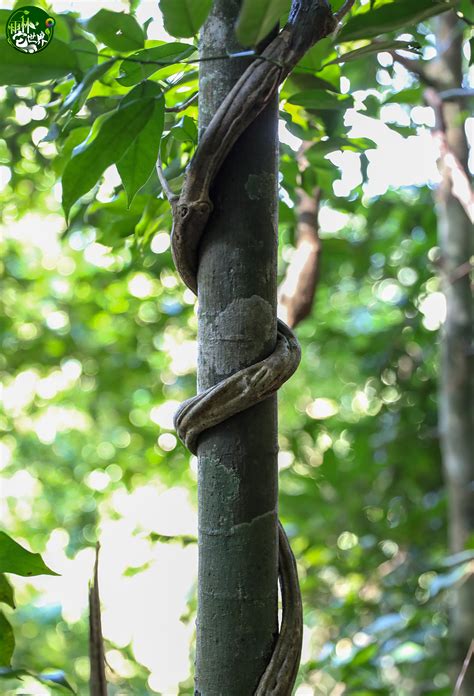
column 183, row 539
column 4, row 15
column 9, row 673
column 116, row 133
column 389, row 17
column 91, row 134
column 139, row 161
column 184, row 18
column 62, row 30
column 16, row 559
column 116, row 29
column 408, row 652
column 257, row 18
column 18, row 68
column 76, row 98
column 6, row 592
column 74, row 138
column 151, row 60
column 466, row 9
column 320, row 99
column 55, row 679
column 323, row 147
column 86, row 53
column 364, row 655
column 7, row 641
column 411, row 95
column 113, row 220
column 316, row 56
column 185, row 130
column 375, row 48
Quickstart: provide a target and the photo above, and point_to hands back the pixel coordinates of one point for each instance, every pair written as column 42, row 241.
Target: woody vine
column 308, row 23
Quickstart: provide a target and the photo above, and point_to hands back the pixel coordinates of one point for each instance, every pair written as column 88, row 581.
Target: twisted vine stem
column 309, row 21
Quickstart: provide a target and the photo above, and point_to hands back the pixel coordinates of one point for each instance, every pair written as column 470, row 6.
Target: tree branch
column 345, row 9
column 181, row 107
column 457, row 93
column 448, row 162
column 417, row 68
column 460, row 679
column 170, row 195
column 297, row 291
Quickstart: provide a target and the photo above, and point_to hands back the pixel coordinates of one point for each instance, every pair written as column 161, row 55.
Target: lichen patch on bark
column 261, row 186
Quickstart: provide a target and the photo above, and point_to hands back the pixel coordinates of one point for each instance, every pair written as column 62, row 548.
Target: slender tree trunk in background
column 297, row 291
column 455, row 392
column 237, row 482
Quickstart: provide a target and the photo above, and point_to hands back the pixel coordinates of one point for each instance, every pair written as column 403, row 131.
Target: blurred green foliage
column 97, row 345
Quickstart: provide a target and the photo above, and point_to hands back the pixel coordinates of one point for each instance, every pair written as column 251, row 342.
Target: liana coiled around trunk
column 309, row 21
column 238, row 392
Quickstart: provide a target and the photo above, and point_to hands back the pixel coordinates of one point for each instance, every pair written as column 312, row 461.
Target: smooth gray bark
column 455, row 387
column 237, row 481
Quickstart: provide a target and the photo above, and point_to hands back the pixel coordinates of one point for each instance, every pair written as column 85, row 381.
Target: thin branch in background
column 98, row 683
column 181, row 107
column 170, row 195
column 465, row 667
column 297, row 291
column 463, row 270
column 457, row 93
column 184, row 61
column 460, row 184
column 345, row 9
column 338, row 16
column 416, row 67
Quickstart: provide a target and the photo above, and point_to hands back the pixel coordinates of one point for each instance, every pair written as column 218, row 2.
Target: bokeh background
column 98, row 347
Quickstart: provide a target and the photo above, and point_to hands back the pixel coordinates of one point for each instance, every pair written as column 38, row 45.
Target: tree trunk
column 455, row 393
column 237, row 482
